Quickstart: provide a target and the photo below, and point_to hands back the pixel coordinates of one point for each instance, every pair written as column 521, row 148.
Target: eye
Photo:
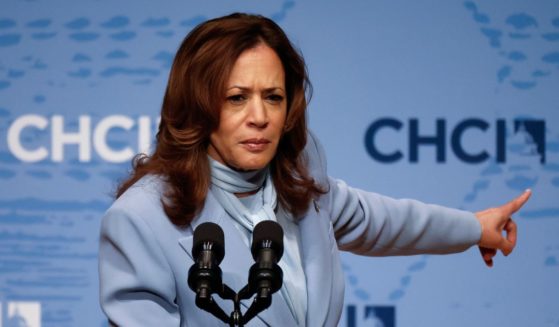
column 275, row 98
column 236, row 98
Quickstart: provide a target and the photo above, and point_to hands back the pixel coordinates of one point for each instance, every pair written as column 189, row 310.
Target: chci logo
column 370, row 315
column 527, row 138
column 18, row 314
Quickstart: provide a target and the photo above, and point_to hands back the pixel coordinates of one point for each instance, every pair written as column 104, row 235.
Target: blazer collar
column 237, row 262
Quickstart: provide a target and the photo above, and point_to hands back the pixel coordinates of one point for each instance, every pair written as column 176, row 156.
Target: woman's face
column 253, row 111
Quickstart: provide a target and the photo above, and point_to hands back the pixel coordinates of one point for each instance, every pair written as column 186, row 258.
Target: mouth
column 255, row 144
column 256, row 141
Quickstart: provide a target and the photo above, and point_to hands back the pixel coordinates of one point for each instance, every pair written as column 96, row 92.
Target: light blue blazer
column 144, row 258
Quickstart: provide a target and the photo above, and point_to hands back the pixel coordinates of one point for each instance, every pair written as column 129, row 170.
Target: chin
column 249, row 167
column 253, row 164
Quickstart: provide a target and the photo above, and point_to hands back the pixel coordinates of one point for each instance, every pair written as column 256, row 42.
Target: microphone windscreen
column 209, row 233
column 267, row 230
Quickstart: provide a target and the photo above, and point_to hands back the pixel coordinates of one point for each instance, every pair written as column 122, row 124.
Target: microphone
column 267, row 250
column 204, row 276
column 265, row 275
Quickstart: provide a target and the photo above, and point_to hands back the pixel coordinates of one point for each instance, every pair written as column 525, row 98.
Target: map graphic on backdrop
column 67, row 135
column 514, row 40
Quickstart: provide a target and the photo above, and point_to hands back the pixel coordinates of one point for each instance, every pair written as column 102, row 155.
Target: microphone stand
column 264, row 280
column 261, row 302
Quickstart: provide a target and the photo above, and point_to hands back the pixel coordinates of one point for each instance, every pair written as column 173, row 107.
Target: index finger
column 513, row 206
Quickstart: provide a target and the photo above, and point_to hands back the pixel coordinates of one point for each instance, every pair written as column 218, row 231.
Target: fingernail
column 527, row 190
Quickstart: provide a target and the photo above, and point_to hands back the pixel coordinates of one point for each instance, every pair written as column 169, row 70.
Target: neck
column 239, row 183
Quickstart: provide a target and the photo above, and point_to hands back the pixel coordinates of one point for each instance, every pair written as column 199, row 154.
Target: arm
column 136, row 283
column 372, row 224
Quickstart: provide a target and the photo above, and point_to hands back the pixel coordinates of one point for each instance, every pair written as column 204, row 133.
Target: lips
column 256, row 144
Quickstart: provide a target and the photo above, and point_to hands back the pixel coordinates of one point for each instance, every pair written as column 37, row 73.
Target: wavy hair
column 191, row 109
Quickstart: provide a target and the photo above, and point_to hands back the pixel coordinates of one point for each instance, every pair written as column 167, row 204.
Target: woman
column 233, row 148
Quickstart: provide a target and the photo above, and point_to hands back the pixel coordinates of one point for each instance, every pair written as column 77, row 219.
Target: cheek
column 228, row 126
column 219, row 141
column 223, row 140
column 224, row 131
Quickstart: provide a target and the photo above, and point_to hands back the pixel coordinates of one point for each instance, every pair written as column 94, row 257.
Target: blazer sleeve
column 371, row 224
column 136, row 282
column 368, row 223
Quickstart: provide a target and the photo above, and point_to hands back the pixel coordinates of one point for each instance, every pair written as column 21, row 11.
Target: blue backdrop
column 449, row 102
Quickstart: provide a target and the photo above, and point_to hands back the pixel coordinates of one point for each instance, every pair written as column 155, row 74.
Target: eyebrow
column 270, row 89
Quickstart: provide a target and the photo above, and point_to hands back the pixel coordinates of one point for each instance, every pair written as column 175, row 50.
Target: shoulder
column 145, row 192
column 138, row 205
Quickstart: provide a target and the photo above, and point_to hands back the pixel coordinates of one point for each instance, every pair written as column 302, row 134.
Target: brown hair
column 190, row 113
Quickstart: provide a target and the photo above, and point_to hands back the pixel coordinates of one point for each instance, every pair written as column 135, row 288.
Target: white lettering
column 81, row 138
column 87, row 137
column 100, row 138
column 14, row 138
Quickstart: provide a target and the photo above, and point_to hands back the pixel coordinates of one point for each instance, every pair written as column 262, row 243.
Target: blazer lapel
column 317, row 261
column 237, row 262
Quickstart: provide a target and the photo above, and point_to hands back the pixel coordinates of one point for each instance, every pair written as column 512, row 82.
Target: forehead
column 259, row 64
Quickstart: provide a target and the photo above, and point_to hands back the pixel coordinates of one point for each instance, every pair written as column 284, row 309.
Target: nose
column 258, row 114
